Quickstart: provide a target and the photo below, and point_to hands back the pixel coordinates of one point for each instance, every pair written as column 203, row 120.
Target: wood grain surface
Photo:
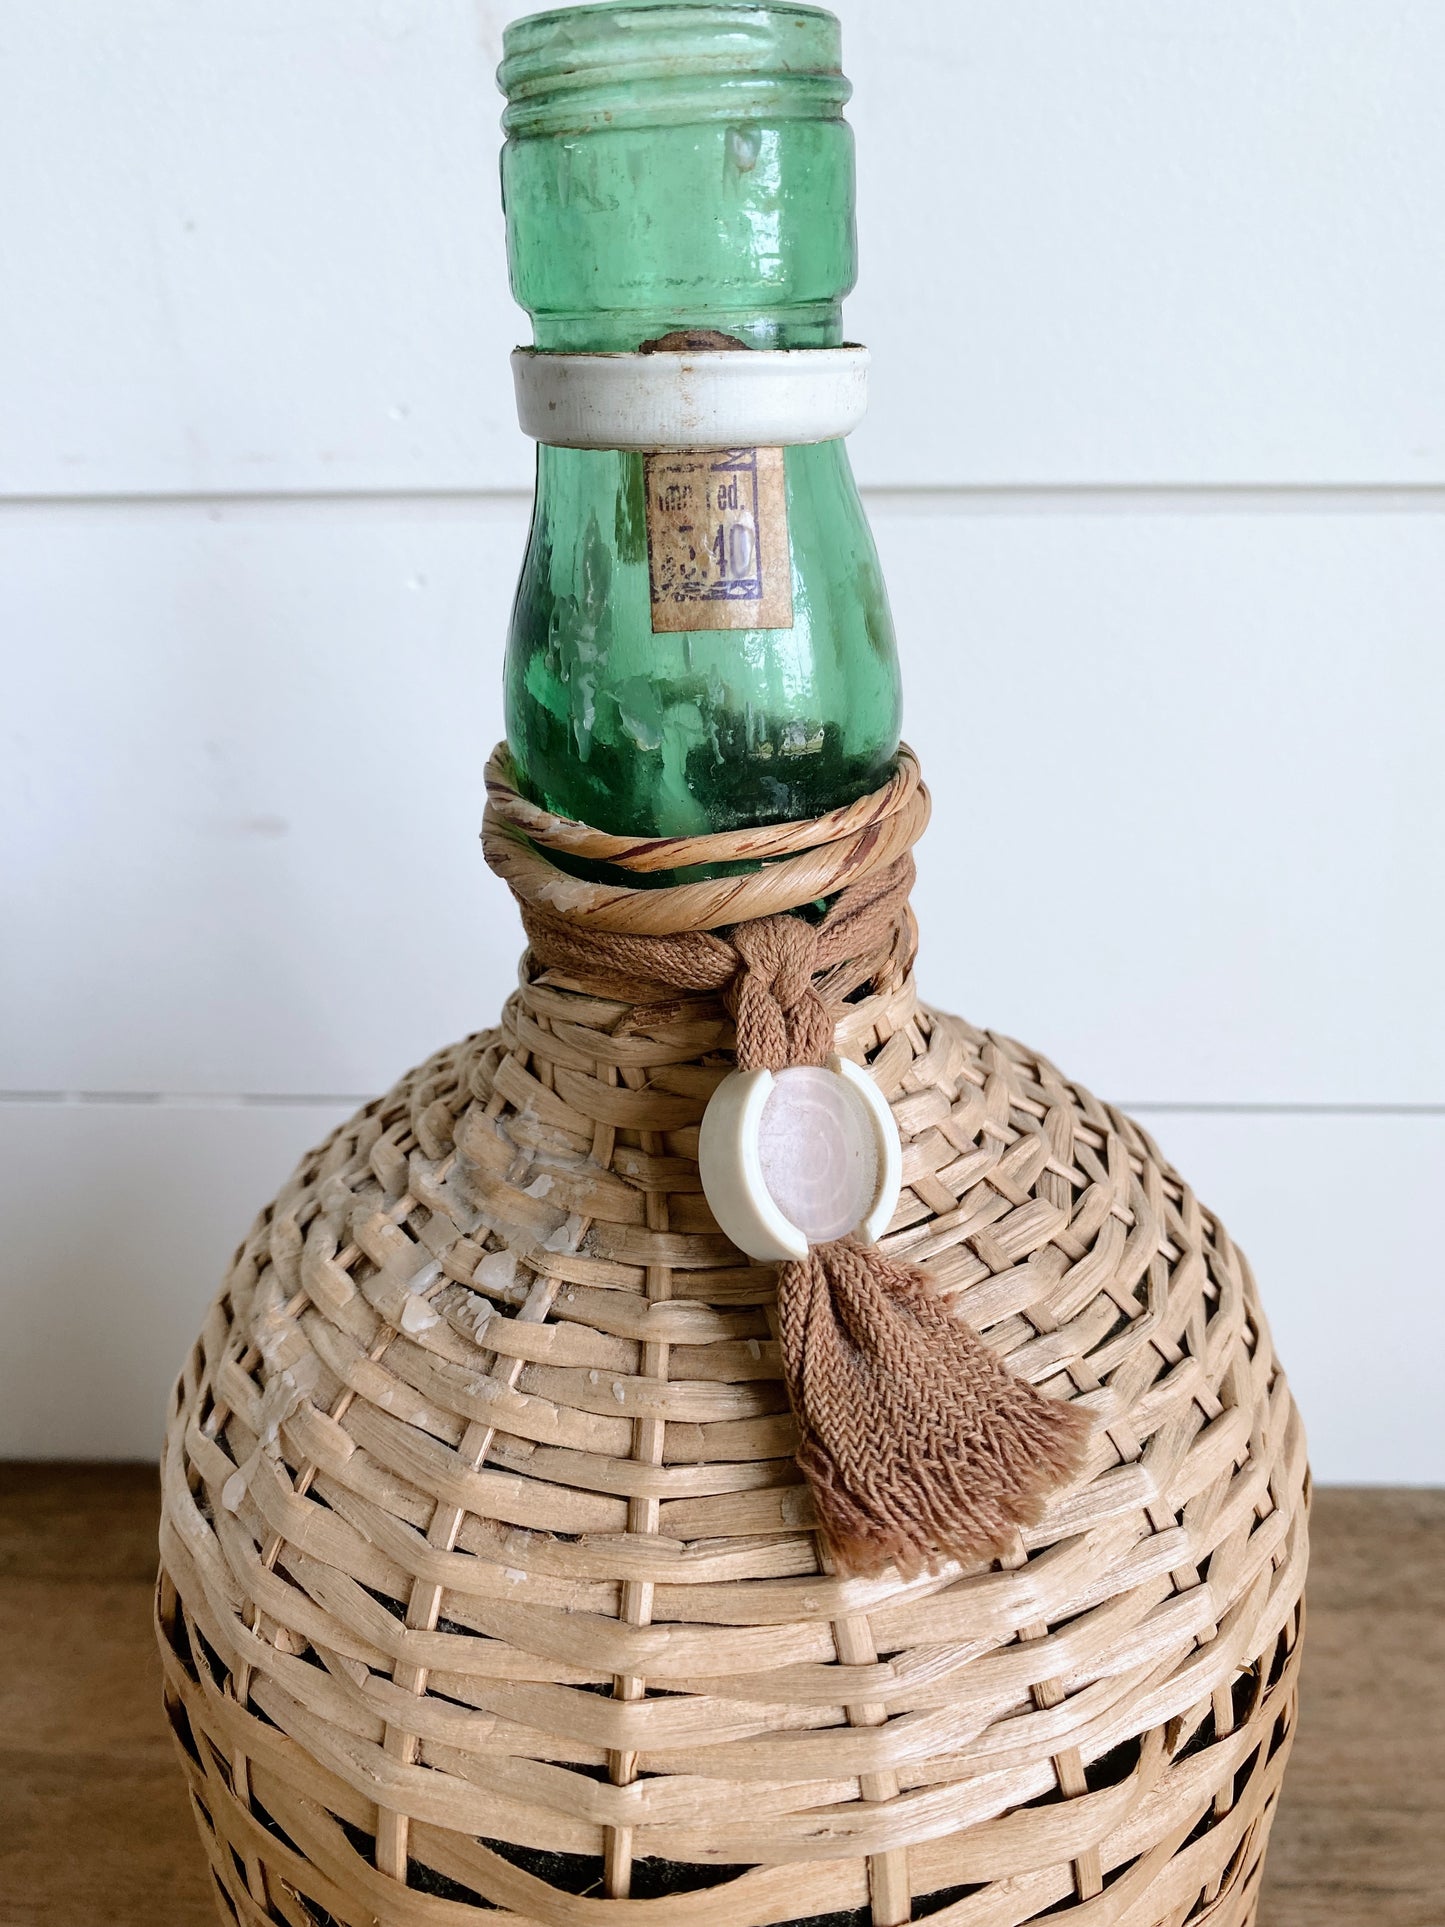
column 95, row 1829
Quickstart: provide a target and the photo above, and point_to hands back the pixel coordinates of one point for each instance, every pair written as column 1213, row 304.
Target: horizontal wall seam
column 1008, row 498
column 293, row 1100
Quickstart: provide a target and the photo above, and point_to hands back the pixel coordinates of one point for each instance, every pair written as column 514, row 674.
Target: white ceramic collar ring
column 701, row 398
column 799, row 1157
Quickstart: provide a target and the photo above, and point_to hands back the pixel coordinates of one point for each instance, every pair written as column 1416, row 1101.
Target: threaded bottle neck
column 584, row 69
column 678, row 166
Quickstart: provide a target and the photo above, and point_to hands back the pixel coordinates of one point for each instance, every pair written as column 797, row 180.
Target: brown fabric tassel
column 918, row 1442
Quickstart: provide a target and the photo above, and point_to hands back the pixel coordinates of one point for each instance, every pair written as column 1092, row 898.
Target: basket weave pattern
column 488, row 1579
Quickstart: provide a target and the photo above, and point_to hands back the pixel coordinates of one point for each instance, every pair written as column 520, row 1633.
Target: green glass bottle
column 684, row 166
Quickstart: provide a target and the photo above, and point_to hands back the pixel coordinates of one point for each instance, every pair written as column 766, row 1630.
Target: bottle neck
column 669, row 724
column 701, row 639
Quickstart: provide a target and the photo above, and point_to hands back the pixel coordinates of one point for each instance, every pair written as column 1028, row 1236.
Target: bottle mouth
column 630, row 63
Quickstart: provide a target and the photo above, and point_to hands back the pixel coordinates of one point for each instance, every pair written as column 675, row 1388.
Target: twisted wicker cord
column 766, row 870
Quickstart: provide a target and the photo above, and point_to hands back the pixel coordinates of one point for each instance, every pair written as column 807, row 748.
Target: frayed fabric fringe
column 918, row 1442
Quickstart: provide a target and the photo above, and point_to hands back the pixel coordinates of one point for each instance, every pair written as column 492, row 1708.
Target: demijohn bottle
column 681, row 174
column 565, row 1521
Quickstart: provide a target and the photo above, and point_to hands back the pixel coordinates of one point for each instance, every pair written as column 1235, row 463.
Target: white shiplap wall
column 1168, row 531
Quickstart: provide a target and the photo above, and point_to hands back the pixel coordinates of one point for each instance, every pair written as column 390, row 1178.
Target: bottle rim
column 647, row 62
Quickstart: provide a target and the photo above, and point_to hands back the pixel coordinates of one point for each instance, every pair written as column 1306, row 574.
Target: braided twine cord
column 490, row 1586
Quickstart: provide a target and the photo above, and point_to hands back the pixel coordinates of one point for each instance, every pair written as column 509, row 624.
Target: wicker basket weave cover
column 488, row 1582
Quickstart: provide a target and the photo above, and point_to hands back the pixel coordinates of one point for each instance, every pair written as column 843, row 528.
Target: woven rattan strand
column 488, row 1579
column 808, row 860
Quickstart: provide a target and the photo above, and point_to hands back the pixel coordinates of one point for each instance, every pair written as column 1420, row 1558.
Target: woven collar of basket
column 919, row 1444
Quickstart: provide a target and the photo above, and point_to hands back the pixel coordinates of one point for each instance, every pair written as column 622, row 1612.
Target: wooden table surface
column 95, row 1830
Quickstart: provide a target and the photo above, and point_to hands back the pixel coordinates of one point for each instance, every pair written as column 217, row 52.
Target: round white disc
column 818, row 1149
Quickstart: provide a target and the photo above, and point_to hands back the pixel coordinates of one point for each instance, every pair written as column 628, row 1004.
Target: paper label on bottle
column 717, row 539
